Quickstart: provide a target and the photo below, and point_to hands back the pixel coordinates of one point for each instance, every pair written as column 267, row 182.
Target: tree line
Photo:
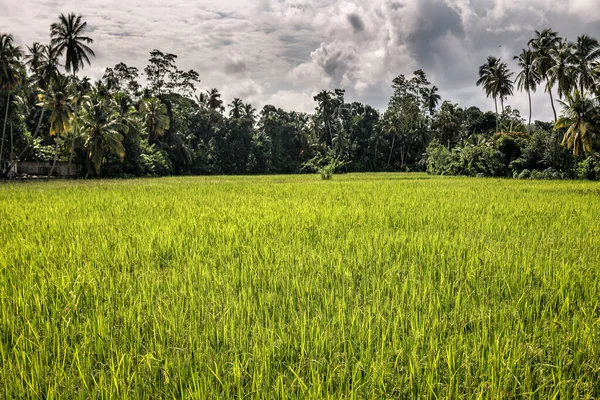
column 156, row 122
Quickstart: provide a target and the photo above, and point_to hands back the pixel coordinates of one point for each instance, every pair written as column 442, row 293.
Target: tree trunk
column 75, row 123
column 4, row 128
column 497, row 118
column 89, row 167
column 401, row 156
column 529, row 94
column 552, row 103
column 391, row 150
column 12, row 144
column 55, row 158
column 330, row 134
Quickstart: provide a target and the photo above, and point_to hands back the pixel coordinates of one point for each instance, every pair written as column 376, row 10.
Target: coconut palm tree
column 33, row 59
column 214, row 101
column 59, row 100
column 563, row 72
column 494, row 76
column 528, row 78
column 48, row 68
column 128, row 115
column 503, row 83
column 68, row 36
column 543, row 44
column 431, row 98
column 47, row 73
column 201, row 99
column 249, row 112
column 586, row 52
column 579, row 118
column 11, row 74
column 486, row 79
column 237, row 106
column 102, row 129
column 156, row 117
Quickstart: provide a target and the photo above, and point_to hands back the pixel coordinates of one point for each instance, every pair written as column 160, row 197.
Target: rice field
column 367, row 286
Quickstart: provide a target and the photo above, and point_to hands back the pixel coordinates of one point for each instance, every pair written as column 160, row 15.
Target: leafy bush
column 325, row 166
column 154, row 161
column 524, row 174
column 588, row 169
column 440, row 160
column 547, row 174
column 482, row 159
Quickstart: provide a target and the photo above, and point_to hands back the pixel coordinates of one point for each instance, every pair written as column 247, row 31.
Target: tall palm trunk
column 12, row 147
column 55, row 158
column 497, row 117
column 4, row 128
column 401, row 156
column 74, row 122
column 529, row 94
column 549, row 88
column 391, row 150
column 328, row 123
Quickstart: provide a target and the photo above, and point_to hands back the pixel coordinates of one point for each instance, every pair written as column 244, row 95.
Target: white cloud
column 282, row 52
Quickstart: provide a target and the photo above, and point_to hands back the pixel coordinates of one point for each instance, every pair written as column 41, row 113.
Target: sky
column 283, row 52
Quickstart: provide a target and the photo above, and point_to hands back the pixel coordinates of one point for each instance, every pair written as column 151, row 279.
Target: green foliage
column 154, row 161
column 192, row 134
column 440, row 160
column 325, row 166
column 589, row 169
column 481, row 160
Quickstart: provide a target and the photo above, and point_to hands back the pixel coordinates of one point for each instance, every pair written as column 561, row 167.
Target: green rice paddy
column 366, row 286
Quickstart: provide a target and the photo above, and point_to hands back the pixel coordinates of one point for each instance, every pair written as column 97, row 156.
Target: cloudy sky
column 282, row 52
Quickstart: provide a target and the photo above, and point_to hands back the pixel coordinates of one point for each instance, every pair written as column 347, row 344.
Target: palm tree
column 68, row 36
column 586, row 53
column 156, row 117
column 59, row 100
column 494, row 76
column 325, row 109
column 528, row 78
column 47, row 73
column 502, row 83
column 390, row 127
column 237, row 105
column 101, row 129
column 201, row 99
column 128, row 115
column 48, row 69
column 579, row 118
column 249, row 112
column 431, row 98
column 11, row 73
column 562, row 72
column 543, row 45
column 34, row 57
column 486, row 79
column 214, row 101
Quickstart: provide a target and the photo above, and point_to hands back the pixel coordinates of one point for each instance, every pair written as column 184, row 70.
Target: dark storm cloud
column 284, row 51
column 235, row 66
column 435, row 19
column 356, row 22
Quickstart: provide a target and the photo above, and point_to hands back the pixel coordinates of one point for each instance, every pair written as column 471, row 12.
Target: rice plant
column 366, row 286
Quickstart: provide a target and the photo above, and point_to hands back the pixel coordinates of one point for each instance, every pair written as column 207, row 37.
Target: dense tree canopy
column 156, row 121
